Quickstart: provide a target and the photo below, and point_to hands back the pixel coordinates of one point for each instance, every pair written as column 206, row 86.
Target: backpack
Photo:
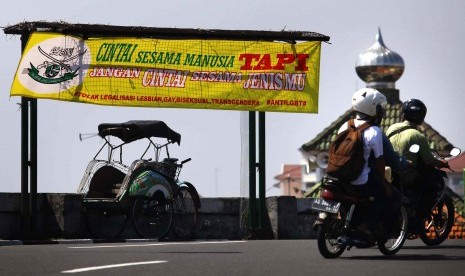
column 346, row 160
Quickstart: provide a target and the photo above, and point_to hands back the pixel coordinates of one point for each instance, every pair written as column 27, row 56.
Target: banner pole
column 25, row 223
column 252, row 173
column 262, row 170
column 25, row 203
column 33, row 165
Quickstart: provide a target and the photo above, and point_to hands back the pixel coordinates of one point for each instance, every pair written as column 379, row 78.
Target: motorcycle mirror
column 455, row 152
column 414, row 148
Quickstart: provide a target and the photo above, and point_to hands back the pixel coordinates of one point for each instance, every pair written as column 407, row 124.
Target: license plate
column 321, row 204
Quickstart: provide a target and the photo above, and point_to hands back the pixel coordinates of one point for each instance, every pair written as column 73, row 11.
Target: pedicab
column 147, row 192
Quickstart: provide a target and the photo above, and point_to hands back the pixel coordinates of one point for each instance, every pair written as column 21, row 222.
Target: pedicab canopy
column 133, row 130
column 172, row 68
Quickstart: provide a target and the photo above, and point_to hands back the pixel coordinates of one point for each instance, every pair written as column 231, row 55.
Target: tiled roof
column 458, row 163
column 393, row 115
column 290, row 171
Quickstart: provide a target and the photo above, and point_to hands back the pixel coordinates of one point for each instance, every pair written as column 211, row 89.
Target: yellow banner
column 171, row 73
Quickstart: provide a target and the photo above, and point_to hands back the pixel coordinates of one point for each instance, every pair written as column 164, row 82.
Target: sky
column 429, row 35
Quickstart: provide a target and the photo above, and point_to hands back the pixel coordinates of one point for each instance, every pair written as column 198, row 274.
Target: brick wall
column 458, row 230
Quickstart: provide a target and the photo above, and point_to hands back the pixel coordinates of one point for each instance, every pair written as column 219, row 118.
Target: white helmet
column 367, row 100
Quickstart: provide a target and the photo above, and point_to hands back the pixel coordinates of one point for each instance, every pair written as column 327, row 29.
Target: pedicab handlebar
column 185, row 161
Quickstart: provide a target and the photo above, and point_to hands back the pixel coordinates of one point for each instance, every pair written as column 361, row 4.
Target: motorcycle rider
column 368, row 105
column 405, row 134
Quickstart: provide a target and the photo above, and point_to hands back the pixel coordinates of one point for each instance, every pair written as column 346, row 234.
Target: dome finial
column 379, row 66
column 379, row 38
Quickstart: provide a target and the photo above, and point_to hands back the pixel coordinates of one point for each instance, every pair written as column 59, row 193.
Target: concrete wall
column 60, row 216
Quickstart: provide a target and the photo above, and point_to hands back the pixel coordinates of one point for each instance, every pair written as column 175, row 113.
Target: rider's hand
column 445, row 164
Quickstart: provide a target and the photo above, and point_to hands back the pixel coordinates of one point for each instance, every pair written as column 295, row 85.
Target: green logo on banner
column 53, row 66
column 50, row 73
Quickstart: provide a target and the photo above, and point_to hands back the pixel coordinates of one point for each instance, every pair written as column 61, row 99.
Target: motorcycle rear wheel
column 439, row 223
column 398, row 235
column 327, row 235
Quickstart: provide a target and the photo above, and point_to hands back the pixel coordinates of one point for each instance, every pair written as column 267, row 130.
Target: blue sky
column 429, row 35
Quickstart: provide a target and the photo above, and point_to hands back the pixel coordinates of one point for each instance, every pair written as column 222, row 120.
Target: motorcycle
column 339, row 217
column 436, row 223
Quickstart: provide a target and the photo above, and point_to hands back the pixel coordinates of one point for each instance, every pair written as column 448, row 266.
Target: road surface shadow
column 426, row 247
column 411, row 257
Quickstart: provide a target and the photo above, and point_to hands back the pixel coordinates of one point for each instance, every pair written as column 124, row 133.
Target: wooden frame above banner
column 87, row 30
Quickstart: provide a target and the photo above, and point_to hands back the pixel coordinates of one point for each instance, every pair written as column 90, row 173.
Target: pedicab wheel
column 439, row 223
column 185, row 213
column 104, row 223
column 152, row 216
column 397, row 237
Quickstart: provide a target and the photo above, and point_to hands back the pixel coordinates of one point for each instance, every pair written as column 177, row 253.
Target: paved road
column 269, row 257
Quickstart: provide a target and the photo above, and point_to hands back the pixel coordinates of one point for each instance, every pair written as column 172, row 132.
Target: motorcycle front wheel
column 327, row 235
column 439, row 223
column 397, row 236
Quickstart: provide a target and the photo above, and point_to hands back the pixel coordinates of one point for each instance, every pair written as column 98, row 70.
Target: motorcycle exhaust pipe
column 341, row 241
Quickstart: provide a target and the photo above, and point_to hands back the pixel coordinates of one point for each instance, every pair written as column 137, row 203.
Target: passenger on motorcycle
column 405, row 134
column 368, row 105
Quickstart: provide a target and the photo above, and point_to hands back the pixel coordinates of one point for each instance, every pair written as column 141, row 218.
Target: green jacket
column 406, row 136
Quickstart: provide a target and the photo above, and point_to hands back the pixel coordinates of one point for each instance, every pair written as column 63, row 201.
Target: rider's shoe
column 362, row 237
column 353, row 239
